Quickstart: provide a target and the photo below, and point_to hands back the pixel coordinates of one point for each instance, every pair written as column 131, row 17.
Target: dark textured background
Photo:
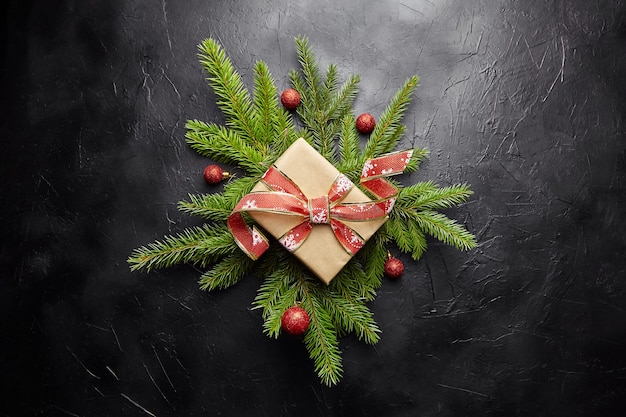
column 525, row 100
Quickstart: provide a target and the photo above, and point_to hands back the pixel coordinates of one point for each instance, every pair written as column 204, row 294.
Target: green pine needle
column 419, row 155
column 225, row 145
column 446, row 230
column 349, row 149
column 232, row 96
column 321, row 341
column 373, row 257
column 388, row 128
column 226, row 273
column 352, row 317
column 426, row 196
column 265, row 104
column 213, row 207
column 198, row 245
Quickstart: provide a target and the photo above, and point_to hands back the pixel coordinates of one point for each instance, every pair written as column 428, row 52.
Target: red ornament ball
column 214, row 174
column 290, row 98
column 394, row 267
column 365, row 123
column 295, row 320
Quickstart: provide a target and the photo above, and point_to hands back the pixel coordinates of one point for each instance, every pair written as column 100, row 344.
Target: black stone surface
column 524, row 100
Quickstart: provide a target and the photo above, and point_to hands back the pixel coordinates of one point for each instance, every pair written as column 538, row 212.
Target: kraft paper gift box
column 321, row 252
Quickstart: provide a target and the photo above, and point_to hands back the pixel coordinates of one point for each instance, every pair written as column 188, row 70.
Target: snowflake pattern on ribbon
column 321, row 217
column 289, row 241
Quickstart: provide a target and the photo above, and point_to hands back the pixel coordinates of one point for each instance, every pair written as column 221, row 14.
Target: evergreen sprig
column 257, row 131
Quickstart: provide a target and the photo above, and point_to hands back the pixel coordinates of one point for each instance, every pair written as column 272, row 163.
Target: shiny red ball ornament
column 394, row 267
column 295, row 321
column 290, row 99
column 365, row 123
column 214, row 174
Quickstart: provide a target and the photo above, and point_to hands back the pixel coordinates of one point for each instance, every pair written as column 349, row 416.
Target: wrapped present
column 314, row 211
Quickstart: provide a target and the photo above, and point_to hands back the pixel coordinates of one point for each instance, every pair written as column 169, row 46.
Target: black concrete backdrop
column 525, row 100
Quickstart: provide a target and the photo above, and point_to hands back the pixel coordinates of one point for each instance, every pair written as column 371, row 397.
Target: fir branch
column 228, row 272
column 352, row 283
column 232, row 96
column 386, row 133
column 225, row 146
column 414, row 191
column 320, row 338
column 373, row 256
column 330, row 83
column 341, row 102
column 349, row 149
column 310, row 71
column 321, row 342
column 444, row 229
column 275, row 296
column 398, row 229
column 235, row 189
column 285, row 134
column 215, row 207
column 419, row 155
column 272, row 315
column 198, row 245
column 419, row 244
column 265, row 103
column 315, row 93
column 300, row 86
column 352, row 317
column 434, row 198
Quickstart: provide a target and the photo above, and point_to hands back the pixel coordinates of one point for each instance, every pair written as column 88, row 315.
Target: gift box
column 321, row 252
column 316, row 212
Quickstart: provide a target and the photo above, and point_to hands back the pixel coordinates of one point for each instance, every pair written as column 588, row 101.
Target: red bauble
column 290, row 98
column 214, row 174
column 365, row 123
column 394, row 267
column 295, row 320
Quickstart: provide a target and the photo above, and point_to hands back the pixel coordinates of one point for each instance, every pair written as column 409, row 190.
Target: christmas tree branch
column 352, row 317
column 198, row 245
column 388, row 129
column 352, row 283
column 321, row 340
column 444, row 229
column 265, row 104
column 323, row 105
column 214, row 207
column 349, row 149
column 232, row 96
column 419, row 155
column 224, row 145
column 228, row 272
column 235, row 189
column 416, row 197
column 311, row 73
column 341, row 101
column 372, row 257
column 407, row 235
column 275, row 296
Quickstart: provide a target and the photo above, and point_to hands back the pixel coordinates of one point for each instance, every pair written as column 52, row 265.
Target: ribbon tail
column 375, row 170
column 249, row 239
column 294, row 238
column 380, row 188
column 349, row 239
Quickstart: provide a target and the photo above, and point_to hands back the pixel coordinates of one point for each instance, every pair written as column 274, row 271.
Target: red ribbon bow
column 285, row 197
